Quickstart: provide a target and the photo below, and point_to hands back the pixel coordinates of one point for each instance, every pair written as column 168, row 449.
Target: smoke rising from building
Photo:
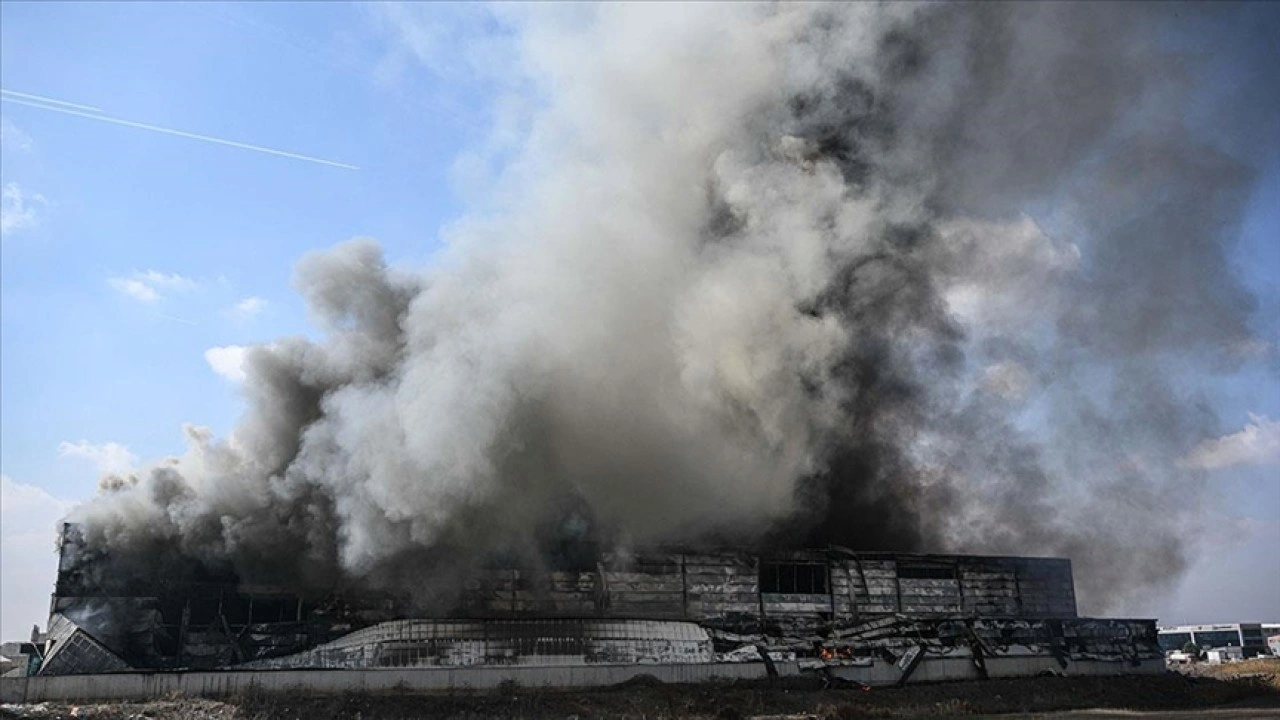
column 892, row 277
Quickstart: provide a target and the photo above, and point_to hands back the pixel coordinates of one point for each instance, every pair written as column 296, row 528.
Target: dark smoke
column 893, row 277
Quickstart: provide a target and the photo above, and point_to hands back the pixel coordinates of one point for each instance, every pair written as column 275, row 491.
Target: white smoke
column 746, row 277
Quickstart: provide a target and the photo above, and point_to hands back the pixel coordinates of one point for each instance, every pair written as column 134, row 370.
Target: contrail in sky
column 12, row 97
column 51, row 101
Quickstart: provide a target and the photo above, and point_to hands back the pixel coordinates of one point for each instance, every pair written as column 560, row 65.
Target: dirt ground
column 1244, row 690
column 1265, row 670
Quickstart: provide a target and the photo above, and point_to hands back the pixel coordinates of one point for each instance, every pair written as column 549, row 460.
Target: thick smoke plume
column 893, row 277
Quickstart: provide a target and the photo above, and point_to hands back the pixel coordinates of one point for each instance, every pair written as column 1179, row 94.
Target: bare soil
column 1243, row 690
column 1263, row 670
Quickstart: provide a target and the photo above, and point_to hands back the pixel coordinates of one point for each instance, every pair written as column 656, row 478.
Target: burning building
column 822, row 609
column 894, row 278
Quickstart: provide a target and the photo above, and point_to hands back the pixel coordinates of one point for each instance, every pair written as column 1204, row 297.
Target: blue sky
column 80, row 357
column 129, row 254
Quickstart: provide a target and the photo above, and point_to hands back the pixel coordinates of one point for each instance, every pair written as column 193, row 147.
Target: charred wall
column 168, row 621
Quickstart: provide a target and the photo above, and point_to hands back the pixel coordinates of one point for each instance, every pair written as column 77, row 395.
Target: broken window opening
column 793, row 578
column 925, row 572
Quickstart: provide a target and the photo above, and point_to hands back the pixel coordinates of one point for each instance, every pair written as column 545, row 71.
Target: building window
column 793, row 578
column 1217, row 638
column 925, row 572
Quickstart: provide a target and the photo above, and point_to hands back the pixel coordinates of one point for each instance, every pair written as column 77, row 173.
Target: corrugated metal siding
column 426, row 643
column 733, row 592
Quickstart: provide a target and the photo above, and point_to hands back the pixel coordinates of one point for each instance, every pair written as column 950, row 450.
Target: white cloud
column 14, row 138
column 250, row 306
column 134, row 288
column 151, row 285
column 1258, row 443
column 18, row 208
column 28, row 564
column 227, row 361
column 170, row 281
column 109, row 457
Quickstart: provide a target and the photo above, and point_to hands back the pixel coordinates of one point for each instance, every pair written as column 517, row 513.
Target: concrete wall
column 142, row 686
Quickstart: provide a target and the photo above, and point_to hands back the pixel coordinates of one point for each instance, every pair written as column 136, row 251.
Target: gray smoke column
column 895, row 277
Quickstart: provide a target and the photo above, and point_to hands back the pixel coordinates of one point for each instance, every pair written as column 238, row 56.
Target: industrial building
column 1249, row 637
column 678, row 615
column 825, row 609
column 801, row 594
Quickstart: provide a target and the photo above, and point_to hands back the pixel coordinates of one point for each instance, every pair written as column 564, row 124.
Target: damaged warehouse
column 711, row 371
column 811, row 609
